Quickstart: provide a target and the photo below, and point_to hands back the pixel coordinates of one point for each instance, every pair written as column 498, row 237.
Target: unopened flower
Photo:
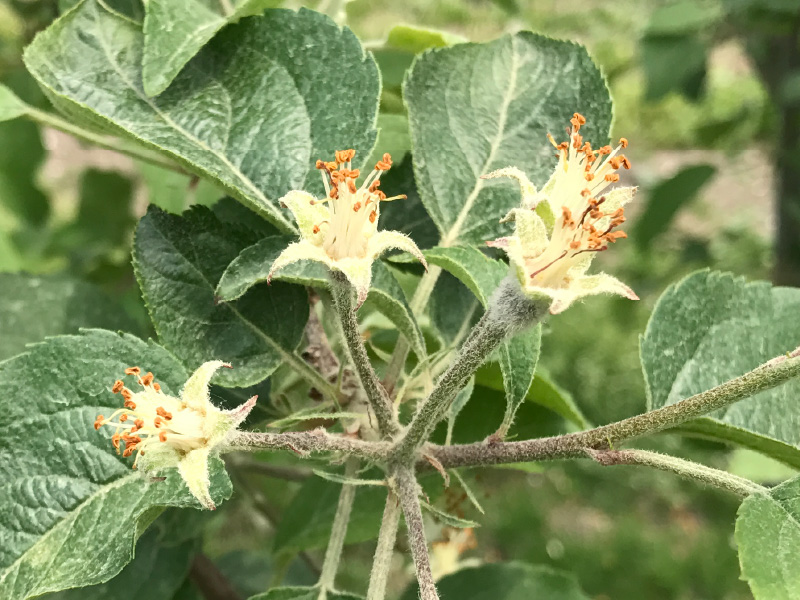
column 341, row 230
column 561, row 228
column 167, row 432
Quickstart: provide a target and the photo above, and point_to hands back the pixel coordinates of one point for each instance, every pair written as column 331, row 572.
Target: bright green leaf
column 506, row 581
column 474, row 108
column 11, row 107
column 179, row 262
column 418, row 39
column 711, row 327
column 768, row 536
column 35, row 307
column 70, row 508
column 252, row 111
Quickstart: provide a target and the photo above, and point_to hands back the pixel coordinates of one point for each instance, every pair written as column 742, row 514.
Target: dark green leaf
column 712, row 327
column 666, row 199
column 474, row 108
column 70, row 508
column 506, row 581
column 179, row 262
column 174, row 31
column 252, row 111
column 768, row 536
column 157, row 570
column 35, row 307
column 674, row 64
column 252, row 266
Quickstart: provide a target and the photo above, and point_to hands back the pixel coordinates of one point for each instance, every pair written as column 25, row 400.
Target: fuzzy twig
column 333, row 554
column 408, row 492
column 382, row 562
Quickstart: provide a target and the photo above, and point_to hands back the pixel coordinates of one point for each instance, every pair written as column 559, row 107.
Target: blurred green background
column 708, row 93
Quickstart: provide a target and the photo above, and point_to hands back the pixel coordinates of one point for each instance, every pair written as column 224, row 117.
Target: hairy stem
column 509, row 312
column 340, row 522
column 408, row 492
column 376, row 394
column 109, row 143
column 382, row 562
column 684, row 468
column 305, row 443
column 573, row 445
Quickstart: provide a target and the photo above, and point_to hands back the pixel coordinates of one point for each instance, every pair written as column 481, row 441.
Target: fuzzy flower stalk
column 341, row 230
column 560, row 229
column 167, row 432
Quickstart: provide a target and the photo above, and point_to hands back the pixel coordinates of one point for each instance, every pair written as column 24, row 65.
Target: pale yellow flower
column 341, row 230
column 167, row 432
column 560, row 229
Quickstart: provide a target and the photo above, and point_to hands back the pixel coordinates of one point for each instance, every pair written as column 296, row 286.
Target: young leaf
column 302, row 593
column 768, row 536
column 711, row 327
column 447, row 519
column 35, row 307
column 11, row 107
column 509, row 94
column 70, row 508
column 252, row 111
column 178, row 263
column 174, row 31
column 252, row 266
column 517, row 356
column 506, row 581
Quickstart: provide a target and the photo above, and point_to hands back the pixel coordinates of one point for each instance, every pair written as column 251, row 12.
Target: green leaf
column 156, row 572
column 543, row 391
column 474, row 108
column 666, row 199
column 683, row 17
column 711, row 327
column 179, row 262
column 11, row 107
column 252, row 266
column 302, row 593
column 458, row 403
column 394, row 138
column 674, row 64
column 174, row 31
column 306, row 523
column 252, row 111
column 70, row 508
column 175, row 192
column 418, row 39
column 35, row 307
column 519, row 355
column 506, row 581
column 768, row 536
column 447, row 519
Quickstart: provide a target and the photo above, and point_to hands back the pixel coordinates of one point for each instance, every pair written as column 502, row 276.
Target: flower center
column 353, row 211
column 586, row 222
column 151, row 417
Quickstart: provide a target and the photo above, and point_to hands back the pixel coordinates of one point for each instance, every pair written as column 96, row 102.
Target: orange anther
column 157, row 422
column 372, row 216
column 123, row 418
column 589, row 176
column 115, row 441
column 625, row 162
column 162, row 437
column 320, row 164
column 604, row 150
column 118, row 385
column 612, row 177
column 161, row 412
column 614, row 162
column 315, row 229
column 126, row 393
column 623, row 142
column 374, row 185
column 132, row 371
column 129, row 404
column 357, row 207
column 139, row 423
column 157, row 387
column 586, row 192
column 98, row 422
column 575, row 244
column 351, row 185
column 147, row 379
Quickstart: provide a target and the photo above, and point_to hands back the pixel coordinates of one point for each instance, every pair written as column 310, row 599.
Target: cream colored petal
column 307, row 211
column 527, row 188
column 532, row 233
column 358, row 272
column 393, row 240
column 195, row 390
column 297, row 251
column 193, row 468
column 158, row 458
column 591, row 285
column 618, row 197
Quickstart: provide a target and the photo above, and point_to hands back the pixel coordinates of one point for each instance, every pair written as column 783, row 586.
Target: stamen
column 118, row 386
column 132, row 371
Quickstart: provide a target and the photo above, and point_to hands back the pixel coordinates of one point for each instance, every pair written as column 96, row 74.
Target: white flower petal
column 307, row 211
column 193, row 468
column 195, row 390
column 358, row 272
column 297, row 251
column 591, row 285
column 393, row 240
